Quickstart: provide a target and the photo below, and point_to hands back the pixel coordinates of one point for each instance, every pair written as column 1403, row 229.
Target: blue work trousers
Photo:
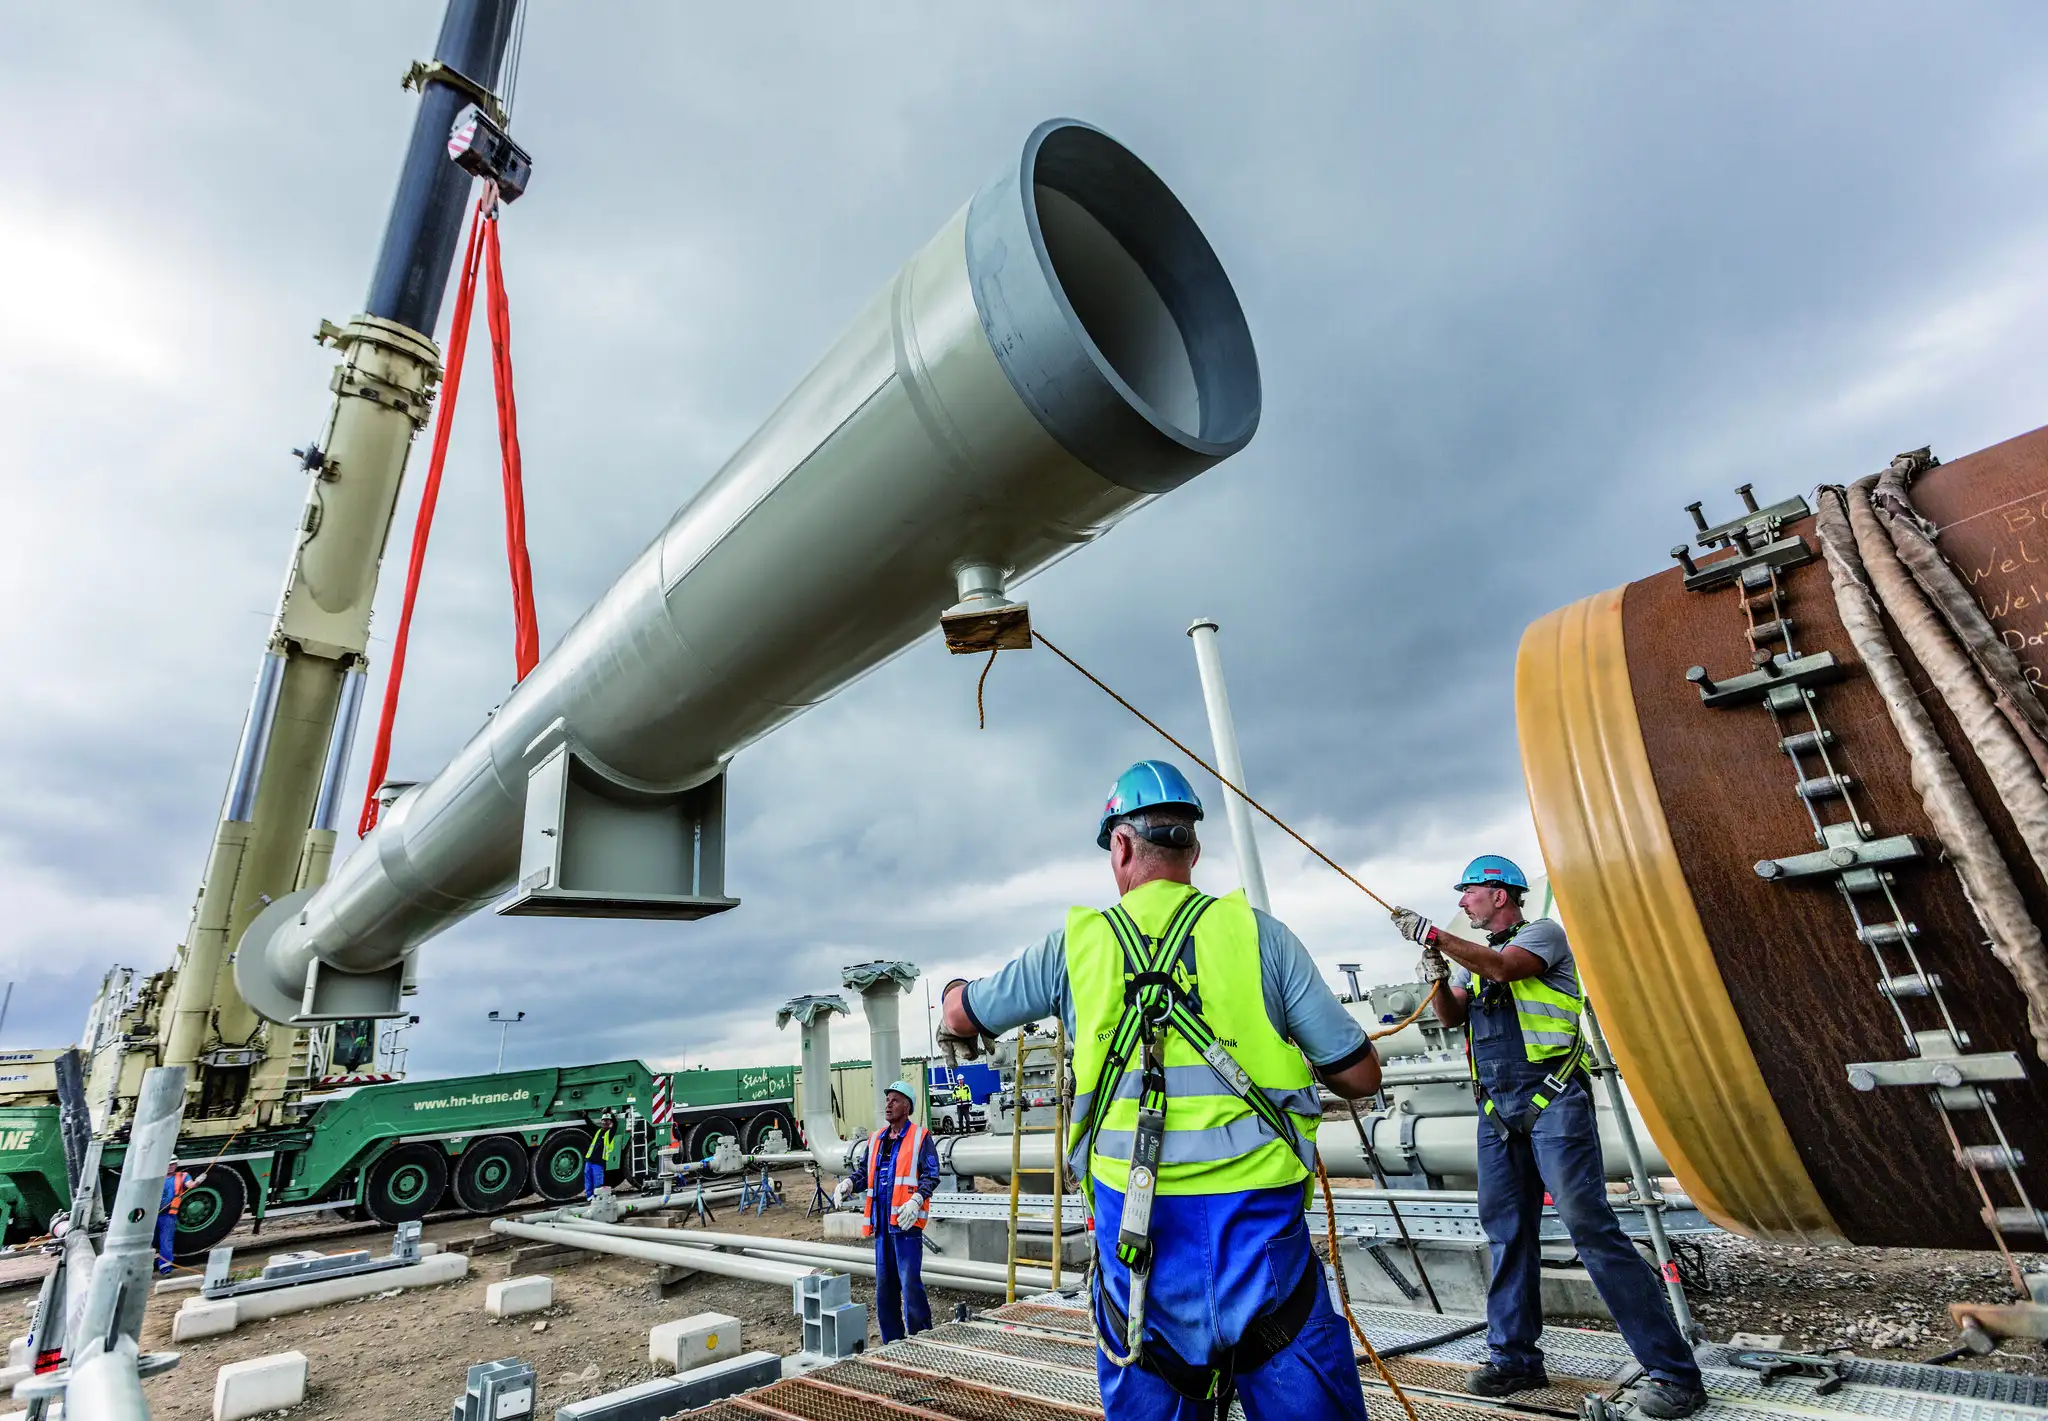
column 593, row 1176
column 1219, row 1262
column 166, row 1241
column 1560, row 1153
column 900, row 1303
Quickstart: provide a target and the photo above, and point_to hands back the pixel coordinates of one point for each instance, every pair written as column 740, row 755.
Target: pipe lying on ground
column 934, row 1264
column 704, row 1260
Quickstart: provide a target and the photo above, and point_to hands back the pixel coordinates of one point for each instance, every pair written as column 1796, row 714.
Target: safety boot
column 1495, row 1380
column 1667, row 1400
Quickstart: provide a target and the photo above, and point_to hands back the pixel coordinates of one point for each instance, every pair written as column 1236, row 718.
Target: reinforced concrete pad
column 691, row 1342
column 519, row 1295
column 258, row 1385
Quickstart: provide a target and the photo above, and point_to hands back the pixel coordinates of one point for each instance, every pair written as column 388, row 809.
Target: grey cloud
column 1523, row 283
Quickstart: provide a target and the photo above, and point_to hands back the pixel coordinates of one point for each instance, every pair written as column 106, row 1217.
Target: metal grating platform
column 1035, row 1361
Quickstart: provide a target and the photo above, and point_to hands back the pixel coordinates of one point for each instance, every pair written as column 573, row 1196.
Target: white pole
column 1223, row 735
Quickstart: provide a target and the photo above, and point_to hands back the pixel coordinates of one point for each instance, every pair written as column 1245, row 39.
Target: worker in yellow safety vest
column 1518, row 996
column 1201, row 1029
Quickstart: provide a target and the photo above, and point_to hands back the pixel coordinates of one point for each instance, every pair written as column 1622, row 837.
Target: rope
column 980, row 714
column 1288, row 829
column 526, row 628
column 1170, row 739
column 423, row 521
column 1344, row 1291
column 483, row 256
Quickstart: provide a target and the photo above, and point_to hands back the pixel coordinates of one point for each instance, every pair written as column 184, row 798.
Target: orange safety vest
column 904, row 1186
column 180, row 1182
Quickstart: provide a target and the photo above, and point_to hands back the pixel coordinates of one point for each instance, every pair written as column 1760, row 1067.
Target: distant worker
column 902, row 1168
column 963, row 1104
column 1518, row 996
column 1194, row 1123
column 177, row 1184
column 601, row 1153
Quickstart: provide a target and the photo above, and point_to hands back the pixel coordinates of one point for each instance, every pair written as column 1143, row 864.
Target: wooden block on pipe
column 545, row 1255
column 668, row 1277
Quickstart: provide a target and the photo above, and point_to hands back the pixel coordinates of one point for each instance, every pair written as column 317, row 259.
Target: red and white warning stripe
column 662, row 1107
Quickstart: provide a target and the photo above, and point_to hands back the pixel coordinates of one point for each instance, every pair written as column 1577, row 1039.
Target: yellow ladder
column 1028, row 1046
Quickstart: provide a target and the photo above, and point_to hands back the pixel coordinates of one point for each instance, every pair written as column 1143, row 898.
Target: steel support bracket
column 1784, row 552
column 1848, row 854
column 423, row 72
column 1785, row 673
column 1943, row 1072
column 1763, row 520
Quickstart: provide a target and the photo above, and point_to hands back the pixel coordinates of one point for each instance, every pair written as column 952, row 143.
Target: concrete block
column 842, row 1228
column 428, row 1248
column 13, row 1375
column 519, row 1295
column 258, row 1385
column 692, row 1341
column 1758, row 1341
column 665, row 1396
column 204, row 1317
column 17, row 1351
column 182, row 1283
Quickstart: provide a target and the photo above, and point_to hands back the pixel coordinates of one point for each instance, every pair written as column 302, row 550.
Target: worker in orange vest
column 902, row 1169
column 177, row 1184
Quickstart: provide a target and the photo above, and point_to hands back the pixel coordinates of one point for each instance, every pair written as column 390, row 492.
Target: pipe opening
column 1109, row 311
column 1143, row 284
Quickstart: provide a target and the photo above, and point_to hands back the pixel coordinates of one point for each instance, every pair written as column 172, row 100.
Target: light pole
column 505, row 1024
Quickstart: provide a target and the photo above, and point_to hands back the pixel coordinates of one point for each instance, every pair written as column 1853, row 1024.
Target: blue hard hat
column 903, row 1089
column 1145, row 785
column 1492, row 870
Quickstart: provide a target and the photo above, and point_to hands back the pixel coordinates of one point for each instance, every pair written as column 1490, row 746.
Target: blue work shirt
column 879, row 1211
column 1219, row 1260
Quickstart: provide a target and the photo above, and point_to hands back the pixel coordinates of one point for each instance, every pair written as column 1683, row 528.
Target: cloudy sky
column 1524, row 280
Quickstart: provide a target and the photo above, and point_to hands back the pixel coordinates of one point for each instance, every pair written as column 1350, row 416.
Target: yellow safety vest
column 1215, row 1143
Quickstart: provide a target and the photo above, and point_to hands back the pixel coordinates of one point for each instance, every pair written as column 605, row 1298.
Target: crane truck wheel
column 758, row 1128
column 491, row 1174
column 209, row 1212
column 405, row 1184
column 704, row 1134
column 558, row 1165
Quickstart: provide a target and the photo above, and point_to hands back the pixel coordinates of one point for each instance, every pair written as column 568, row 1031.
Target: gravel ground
column 404, row 1356
column 1890, row 1303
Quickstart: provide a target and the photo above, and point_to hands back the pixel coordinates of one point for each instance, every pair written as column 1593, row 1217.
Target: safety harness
column 1161, row 994
column 1494, row 996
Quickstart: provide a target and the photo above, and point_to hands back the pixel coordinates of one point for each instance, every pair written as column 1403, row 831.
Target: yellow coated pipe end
column 1636, row 933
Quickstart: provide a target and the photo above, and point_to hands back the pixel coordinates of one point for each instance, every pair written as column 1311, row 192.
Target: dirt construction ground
column 404, row 1357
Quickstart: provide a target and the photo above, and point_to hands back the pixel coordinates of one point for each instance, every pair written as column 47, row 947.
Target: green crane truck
column 394, row 1152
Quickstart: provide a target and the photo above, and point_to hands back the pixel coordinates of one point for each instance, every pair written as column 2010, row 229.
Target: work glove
column 1413, row 926
column 910, row 1212
column 969, row 1047
column 1433, row 968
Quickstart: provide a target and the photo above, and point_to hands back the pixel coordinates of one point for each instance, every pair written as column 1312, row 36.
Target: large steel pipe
column 1066, row 348
column 1740, row 970
column 1438, row 1145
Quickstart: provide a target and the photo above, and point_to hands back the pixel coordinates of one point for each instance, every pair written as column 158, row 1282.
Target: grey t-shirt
column 1544, row 939
column 1301, row 1006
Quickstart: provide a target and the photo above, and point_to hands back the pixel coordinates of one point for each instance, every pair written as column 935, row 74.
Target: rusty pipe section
column 1067, row 348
